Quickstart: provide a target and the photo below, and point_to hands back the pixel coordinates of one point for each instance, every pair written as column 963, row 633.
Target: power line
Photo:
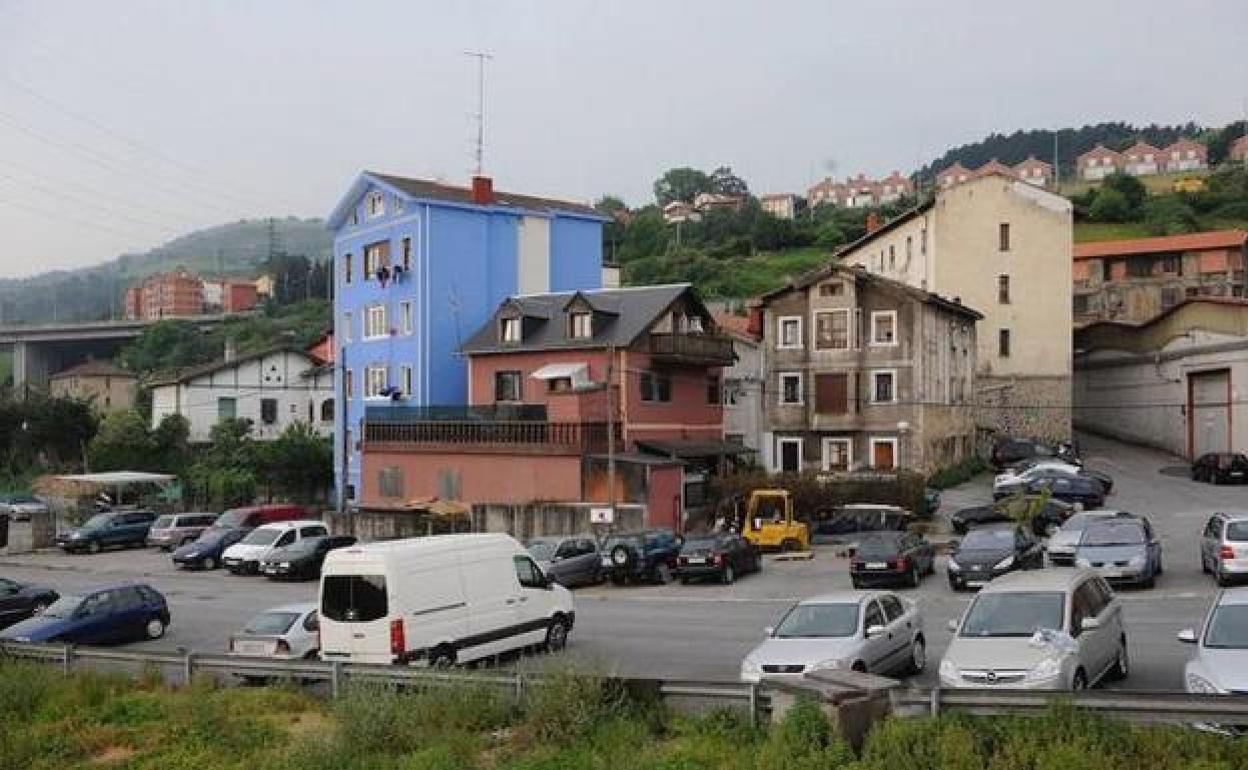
column 90, row 203
column 60, row 216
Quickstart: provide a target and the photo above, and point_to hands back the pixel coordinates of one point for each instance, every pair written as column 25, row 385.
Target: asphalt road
column 703, row 631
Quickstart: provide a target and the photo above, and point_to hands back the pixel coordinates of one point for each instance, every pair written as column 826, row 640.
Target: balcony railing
column 503, row 437
column 706, row 349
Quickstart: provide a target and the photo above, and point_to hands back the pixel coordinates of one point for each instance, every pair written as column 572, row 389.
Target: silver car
column 1065, row 541
column 289, row 632
column 21, row 507
column 1051, row 630
column 1221, row 662
column 1224, row 547
column 872, row 631
column 569, row 561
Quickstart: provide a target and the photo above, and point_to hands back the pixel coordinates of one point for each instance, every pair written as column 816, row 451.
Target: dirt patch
column 111, row 755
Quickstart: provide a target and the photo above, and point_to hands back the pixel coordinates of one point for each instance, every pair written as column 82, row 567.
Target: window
column 831, row 393
column 873, row 617
column 832, row 330
column 375, row 322
column 882, row 387
column 354, row 598
column 892, row 256
column 407, row 254
column 509, row 330
column 1003, row 343
column 1080, row 304
column 656, row 387
column 1172, row 264
column 790, row 388
column 405, row 380
column 837, row 454
column 327, row 410
column 923, row 241
column 376, row 204
column 884, row 327
column 883, row 453
column 832, row 289
column 227, row 408
column 909, row 248
column 1171, row 297
column 1107, row 271
column 528, row 573
column 508, row 386
column 1003, row 289
column 268, row 410
column 348, row 382
column 376, row 256
column 405, row 317
column 893, row 609
column 713, row 395
column 346, row 327
column 1003, row 236
column 790, row 332
column 374, row 381
column 390, row 482
column 582, row 326
column 346, row 269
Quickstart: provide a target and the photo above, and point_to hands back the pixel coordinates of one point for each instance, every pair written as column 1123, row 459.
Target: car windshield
column 1228, row 628
column 163, row 522
column 877, row 546
column 1113, row 533
column 811, row 621
column 988, row 539
column 213, row 535
column 543, row 550
column 63, row 607
column 1237, row 531
column 263, row 536
column 700, row 544
column 271, row 623
column 1013, row 613
column 1079, row 522
column 97, row 521
column 234, row 517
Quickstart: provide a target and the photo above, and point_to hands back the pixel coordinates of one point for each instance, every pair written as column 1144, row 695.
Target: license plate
column 976, row 583
column 877, row 565
column 1111, row 573
column 252, row 648
column 696, row 560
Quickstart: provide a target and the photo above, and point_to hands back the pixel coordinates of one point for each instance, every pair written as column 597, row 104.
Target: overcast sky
column 127, row 122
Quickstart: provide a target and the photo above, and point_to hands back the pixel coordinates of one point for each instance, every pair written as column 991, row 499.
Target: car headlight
column 948, row 670
column 1082, row 562
column 833, row 663
column 75, row 535
column 1198, row 684
column 284, row 565
column 954, row 566
column 191, row 555
column 1045, row 669
column 750, row 669
column 1136, row 561
column 1005, row 563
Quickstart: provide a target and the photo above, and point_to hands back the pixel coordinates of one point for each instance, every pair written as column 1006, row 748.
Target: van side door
column 535, row 602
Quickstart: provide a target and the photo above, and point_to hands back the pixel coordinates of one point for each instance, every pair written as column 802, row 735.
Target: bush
column 957, row 474
column 804, row 740
column 817, row 492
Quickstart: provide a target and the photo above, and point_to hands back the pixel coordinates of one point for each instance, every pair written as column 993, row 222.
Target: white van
column 443, row 599
column 244, row 557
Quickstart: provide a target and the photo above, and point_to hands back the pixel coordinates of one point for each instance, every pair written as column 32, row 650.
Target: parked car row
column 650, row 556
column 20, row 506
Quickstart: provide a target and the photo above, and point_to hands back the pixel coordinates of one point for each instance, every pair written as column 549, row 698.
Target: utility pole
column 344, row 408
column 1056, row 175
column 611, row 431
column 481, row 57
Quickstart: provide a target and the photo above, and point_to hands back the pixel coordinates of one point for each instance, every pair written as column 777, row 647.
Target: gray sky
column 127, row 122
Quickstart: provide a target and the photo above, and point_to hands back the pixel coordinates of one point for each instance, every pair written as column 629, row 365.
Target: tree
column 610, row 205
column 1109, row 205
column 1131, row 188
column 300, row 462
column 1167, row 215
column 646, row 236
column 123, row 444
column 724, row 182
column 681, row 184
column 168, row 344
column 171, row 444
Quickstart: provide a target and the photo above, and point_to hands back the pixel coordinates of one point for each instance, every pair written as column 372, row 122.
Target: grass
column 89, row 721
column 1086, row 232
column 728, row 276
column 1156, row 184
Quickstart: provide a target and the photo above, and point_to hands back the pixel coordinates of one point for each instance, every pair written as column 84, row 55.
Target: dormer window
column 376, row 204
column 582, row 326
column 509, row 330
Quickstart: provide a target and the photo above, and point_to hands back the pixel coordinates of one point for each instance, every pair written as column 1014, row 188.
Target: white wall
column 745, row 417
column 534, row 256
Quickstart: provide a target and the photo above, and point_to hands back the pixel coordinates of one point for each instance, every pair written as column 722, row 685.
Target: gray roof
column 862, row 274
column 425, row 188
column 179, row 376
column 627, row 314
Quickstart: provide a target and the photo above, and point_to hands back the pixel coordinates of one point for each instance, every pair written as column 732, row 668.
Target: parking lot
column 703, row 631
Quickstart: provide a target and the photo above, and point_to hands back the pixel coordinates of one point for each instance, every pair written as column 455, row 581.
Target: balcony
column 692, row 349
column 487, row 437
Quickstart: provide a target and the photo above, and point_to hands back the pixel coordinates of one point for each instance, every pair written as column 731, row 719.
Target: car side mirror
column 1187, row 636
column 769, row 631
column 874, row 632
column 952, row 625
column 1089, row 624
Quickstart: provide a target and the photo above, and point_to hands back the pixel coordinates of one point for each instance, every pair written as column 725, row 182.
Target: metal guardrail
column 1175, row 707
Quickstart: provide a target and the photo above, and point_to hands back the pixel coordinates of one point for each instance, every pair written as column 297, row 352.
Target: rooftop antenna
column 481, row 57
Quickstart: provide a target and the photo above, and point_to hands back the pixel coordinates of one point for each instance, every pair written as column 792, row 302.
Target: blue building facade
column 418, row 267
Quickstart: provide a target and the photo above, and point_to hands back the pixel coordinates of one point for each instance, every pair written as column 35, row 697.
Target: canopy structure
column 578, row 373
column 116, row 482
column 116, row 478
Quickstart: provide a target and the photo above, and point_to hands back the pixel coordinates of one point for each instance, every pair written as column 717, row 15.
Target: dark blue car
column 121, row 613
column 205, row 553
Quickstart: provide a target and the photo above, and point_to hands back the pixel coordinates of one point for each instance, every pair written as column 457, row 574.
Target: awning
column 577, row 373
column 690, row 448
column 118, row 478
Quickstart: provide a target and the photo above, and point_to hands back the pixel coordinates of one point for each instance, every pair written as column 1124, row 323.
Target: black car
column 649, row 556
column 892, row 557
column 990, row 552
column 303, row 558
column 1076, row 490
column 205, row 552
column 1221, row 468
column 720, row 557
column 849, row 522
column 124, row 529
column 1010, row 451
column 19, row 601
column 1052, row 514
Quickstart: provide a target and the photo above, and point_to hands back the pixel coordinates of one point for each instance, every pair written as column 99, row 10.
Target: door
column 1209, row 404
column 95, row 624
column 13, row 606
column 533, row 605
column 831, row 393
column 1096, row 644
column 900, row 630
column 883, row 455
column 880, row 649
column 790, row 455
column 130, row 614
column 1209, row 540
column 585, row 561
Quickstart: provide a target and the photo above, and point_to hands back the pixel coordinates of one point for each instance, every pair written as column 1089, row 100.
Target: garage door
column 1210, row 408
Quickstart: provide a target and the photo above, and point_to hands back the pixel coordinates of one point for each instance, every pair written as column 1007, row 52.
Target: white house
column 273, row 388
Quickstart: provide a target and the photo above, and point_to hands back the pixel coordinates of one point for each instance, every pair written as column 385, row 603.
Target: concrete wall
column 743, row 394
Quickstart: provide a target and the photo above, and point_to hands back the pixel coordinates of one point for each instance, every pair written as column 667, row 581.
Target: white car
column 1048, row 630
column 289, row 632
column 22, row 507
column 244, row 557
column 872, row 631
column 1221, row 662
column 1022, row 475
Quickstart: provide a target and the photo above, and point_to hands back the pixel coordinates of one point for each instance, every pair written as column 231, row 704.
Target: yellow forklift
column 769, row 524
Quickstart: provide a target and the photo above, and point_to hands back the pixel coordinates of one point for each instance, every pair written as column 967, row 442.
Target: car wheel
column 662, row 574
column 1222, row 580
column 728, row 576
column 1122, row 664
column 954, row 586
column 1204, row 565
column 617, row 580
column 154, row 629
column 208, row 562
column 442, row 657
column 1160, row 568
column 1080, row 682
column 1150, row 581
column 859, row 666
column 557, row 634
column 918, row 657
column 93, row 546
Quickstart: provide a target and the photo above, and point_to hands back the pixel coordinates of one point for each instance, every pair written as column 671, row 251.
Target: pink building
column 955, row 174
column 1142, row 159
column 1098, row 163
column 1034, row 171
column 1186, row 155
column 550, row 376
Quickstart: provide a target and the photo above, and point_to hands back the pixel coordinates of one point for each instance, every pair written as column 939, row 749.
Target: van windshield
column 354, row 598
column 262, row 536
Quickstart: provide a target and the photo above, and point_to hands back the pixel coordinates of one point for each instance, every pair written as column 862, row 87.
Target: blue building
column 419, row 267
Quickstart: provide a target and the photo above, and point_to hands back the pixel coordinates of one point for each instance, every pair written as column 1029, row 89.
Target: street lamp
column 903, row 428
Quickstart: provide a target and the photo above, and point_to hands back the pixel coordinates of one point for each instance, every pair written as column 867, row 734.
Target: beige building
column 108, row 387
column 863, row 372
column 779, row 205
column 1003, row 247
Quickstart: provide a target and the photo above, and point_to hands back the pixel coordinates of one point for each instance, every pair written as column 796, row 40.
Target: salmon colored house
column 559, row 386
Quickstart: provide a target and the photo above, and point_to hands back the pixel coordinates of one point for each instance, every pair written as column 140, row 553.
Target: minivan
column 104, row 530
column 258, row 515
column 1224, row 547
column 177, row 529
column 244, row 557
column 440, row 600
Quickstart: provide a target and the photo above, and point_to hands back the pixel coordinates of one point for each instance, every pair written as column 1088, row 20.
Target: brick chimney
column 482, row 189
column 873, row 222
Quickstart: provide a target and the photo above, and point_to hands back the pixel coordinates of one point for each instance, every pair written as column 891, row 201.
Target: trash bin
column 4, row 530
